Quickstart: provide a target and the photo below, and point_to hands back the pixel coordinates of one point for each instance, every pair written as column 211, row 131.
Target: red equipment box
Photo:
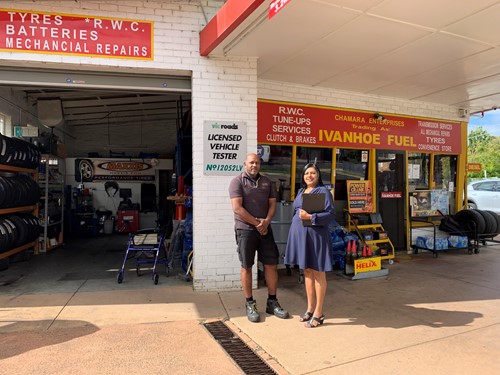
column 128, row 221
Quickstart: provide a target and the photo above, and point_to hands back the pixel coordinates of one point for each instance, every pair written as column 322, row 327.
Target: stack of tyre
column 484, row 223
column 18, row 153
column 17, row 190
column 17, row 230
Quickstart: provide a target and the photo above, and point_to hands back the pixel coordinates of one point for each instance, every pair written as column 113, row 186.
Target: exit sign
column 25, row 131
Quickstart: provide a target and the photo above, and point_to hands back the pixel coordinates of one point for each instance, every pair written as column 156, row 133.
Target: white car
column 484, row 195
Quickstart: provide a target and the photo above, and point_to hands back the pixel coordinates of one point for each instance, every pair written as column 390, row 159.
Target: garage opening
column 115, row 156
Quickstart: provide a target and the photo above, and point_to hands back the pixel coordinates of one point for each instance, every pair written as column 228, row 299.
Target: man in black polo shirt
column 253, row 198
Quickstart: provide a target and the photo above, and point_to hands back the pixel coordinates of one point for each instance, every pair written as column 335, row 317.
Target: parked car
column 484, row 195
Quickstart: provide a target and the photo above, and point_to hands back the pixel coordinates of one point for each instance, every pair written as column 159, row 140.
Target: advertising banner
column 92, row 170
column 360, row 198
column 307, row 125
column 367, row 264
column 57, row 33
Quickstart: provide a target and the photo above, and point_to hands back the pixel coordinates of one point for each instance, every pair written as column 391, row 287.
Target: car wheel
column 471, row 206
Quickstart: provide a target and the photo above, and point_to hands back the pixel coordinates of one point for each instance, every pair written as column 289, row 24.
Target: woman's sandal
column 315, row 322
column 306, row 317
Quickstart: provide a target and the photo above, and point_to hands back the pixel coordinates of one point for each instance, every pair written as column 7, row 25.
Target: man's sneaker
column 252, row 313
column 273, row 307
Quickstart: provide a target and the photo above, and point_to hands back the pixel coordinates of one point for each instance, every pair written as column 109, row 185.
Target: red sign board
column 308, row 125
column 276, row 6
column 55, row 33
column 474, row 167
column 391, row 194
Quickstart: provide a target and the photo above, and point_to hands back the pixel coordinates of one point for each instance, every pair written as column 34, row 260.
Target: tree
column 484, row 149
column 478, row 139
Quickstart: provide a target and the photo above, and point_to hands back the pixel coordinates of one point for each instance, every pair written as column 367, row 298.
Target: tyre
column 491, row 223
column 496, row 217
column 472, row 220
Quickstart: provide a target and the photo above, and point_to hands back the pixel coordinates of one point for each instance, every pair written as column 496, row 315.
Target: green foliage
column 484, row 149
column 478, row 139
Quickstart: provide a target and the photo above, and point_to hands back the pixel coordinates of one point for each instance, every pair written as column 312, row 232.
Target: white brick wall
column 224, row 90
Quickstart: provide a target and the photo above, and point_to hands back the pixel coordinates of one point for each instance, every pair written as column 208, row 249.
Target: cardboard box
column 367, row 235
column 380, row 235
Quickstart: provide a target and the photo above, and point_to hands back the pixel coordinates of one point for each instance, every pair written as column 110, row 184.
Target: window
column 418, row 171
column 277, row 165
column 322, row 157
column 445, row 171
column 486, row 186
column 350, row 165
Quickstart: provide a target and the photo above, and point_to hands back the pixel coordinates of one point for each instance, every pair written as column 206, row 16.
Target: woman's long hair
column 306, row 167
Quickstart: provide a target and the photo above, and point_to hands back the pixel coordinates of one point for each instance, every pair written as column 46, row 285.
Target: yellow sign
column 367, row 264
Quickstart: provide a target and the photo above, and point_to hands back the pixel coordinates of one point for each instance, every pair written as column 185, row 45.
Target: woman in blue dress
column 310, row 247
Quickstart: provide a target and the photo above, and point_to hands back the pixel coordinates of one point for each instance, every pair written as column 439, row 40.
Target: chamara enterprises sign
column 55, row 33
column 225, row 146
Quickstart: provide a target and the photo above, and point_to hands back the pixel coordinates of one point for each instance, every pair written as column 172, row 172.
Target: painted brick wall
column 343, row 99
column 224, row 90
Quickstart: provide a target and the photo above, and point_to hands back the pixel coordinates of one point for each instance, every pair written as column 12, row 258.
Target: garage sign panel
column 309, row 125
column 93, row 170
column 225, row 147
column 57, row 33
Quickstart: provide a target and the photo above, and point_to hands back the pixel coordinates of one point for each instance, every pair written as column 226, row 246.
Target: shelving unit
column 51, row 212
column 29, row 209
column 352, row 221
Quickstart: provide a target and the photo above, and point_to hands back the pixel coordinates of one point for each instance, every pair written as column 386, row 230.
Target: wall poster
column 359, row 196
column 429, row 203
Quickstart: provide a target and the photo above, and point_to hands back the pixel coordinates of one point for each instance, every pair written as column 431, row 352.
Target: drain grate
column 248, row 361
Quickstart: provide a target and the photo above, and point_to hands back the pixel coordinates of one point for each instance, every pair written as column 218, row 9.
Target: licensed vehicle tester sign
column 55, row 33
column 225, row 147
column 300, row 124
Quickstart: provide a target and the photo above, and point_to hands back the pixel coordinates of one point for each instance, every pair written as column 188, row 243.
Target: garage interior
column 108, row 116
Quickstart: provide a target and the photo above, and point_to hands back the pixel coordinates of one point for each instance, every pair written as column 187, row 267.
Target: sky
column 490, row 122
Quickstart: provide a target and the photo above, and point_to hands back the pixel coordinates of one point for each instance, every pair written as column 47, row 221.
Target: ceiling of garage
column 100, row 97
column 444, row 51
column 104, row 107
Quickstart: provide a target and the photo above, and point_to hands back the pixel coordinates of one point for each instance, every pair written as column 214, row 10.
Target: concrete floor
column 63, row 312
